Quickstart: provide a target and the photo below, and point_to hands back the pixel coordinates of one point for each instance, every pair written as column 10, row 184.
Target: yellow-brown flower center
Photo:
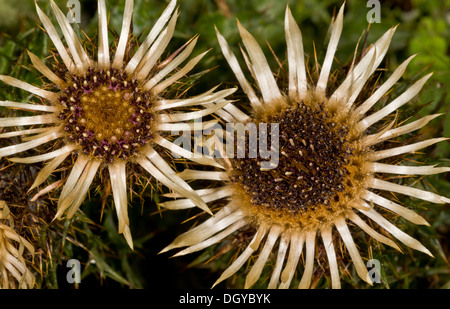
column 317, row 172
column 107, row 114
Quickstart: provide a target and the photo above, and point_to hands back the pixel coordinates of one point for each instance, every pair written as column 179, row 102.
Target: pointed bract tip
column 288, row 9
column 412, row 57
column 428, row 252
column 219, row 35
column 206, row 209
column 53, row 4
column 171, row 246
column 429, row 74
column 127, row 235
column 165, row 249
column 240, row 26
column 341, row 9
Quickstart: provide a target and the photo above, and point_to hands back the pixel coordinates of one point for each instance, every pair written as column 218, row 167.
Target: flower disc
column 317, row 170
column 107, row 114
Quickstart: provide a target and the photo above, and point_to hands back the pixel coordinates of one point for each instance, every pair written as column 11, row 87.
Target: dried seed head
column 315, row 168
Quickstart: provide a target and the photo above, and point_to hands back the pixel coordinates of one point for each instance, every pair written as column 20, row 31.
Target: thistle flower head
column 108, row 110
column 14, row 271
column 329, row 168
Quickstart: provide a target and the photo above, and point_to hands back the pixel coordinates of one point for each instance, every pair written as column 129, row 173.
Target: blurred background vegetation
column 91, row 237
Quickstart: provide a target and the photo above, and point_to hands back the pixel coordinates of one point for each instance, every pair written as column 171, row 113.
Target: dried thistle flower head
column 14, row 271
column 330, row 166
column 109, row 111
